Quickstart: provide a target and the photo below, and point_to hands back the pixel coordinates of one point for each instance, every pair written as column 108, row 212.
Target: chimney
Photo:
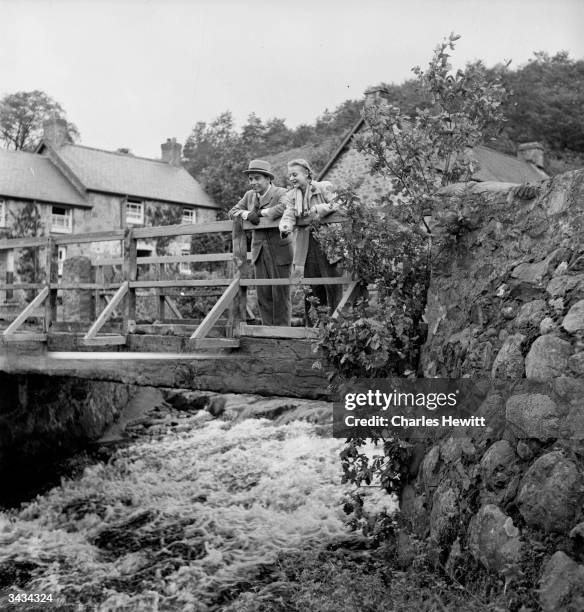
column 171, row 152
column 55, row 131
column 124, row 151
column 374, row 93
column 531, row 152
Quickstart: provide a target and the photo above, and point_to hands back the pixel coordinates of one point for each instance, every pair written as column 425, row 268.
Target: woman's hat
column 260, row 166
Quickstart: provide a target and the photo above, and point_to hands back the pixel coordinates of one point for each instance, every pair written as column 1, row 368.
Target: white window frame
column 62, row 223
column 61, row 257
column 135, row 212
column 185, row 266
column 189, row 215
column 2, row 213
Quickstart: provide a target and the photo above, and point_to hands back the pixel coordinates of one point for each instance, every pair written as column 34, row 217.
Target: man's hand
column 253, row 217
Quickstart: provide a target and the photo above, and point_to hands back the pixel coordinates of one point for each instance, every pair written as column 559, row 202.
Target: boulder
column 574, row 321
column 547, row 358
column 560, row 285
column 444, row 515
column 550, row 493
column 562, row 584
column 509, row 362
column 533, row 415
column 547, row 326
column 498, row 465
column 576, row 363
column 531, row 313
column 493, row 540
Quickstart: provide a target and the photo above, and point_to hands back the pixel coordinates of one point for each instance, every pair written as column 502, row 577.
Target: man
column 271, row 255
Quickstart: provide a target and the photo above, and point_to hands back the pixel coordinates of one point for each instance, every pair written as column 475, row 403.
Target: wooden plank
column 215, row 343
column 104, row 341
column 21, row 318
column 222, row 303
column 173, row 307
column 107, row 311
column 80, row 286
column 107, row 261
column 130, row 274
column 273, row 331
column 237, row 313
column 52, row 277
column 9, row 281
column 262, row 282
column 161, row 305
column 186, row 229
column 26, row 337
column 22, row 243
column 202, row 258
column 105, row 236
column 346, row 297
column 15, row 286
column 178, row 282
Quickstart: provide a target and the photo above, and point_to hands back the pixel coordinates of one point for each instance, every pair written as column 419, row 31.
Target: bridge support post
column 52, row 277
column 130, row 274
column 238, row 310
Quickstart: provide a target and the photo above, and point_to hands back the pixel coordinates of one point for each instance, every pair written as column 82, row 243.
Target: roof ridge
column 126, row 155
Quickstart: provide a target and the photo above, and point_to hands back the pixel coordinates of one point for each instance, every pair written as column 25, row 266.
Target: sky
column 132, row 73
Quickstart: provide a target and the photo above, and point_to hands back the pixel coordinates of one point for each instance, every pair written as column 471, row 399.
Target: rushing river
column 189, row 516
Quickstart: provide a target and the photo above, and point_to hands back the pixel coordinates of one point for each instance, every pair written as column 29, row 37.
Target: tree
column 22, row 115
column 383, row 242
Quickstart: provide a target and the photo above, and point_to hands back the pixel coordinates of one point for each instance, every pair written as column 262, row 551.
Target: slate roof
column 494, row 166
column 33, row 177
column 120, row 173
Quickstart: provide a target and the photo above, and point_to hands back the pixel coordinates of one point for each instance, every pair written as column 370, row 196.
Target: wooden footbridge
column 222, row 352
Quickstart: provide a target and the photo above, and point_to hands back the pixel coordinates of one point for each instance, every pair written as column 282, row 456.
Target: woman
column 313, row 200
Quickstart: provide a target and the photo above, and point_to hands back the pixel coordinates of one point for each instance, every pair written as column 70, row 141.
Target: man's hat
column 260, row 166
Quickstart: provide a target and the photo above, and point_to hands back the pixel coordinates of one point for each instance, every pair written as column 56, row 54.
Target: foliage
column 384, row 244
column 24, row 224
column 22, row 115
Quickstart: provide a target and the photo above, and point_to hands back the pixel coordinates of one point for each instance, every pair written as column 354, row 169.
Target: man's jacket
column 280, row 248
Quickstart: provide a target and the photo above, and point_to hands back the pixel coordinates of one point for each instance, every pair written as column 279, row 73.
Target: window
column 189, row 215
column 134, row 211
column 2, row 213
column 185, row 266
column 61, row 220
column 61, row 257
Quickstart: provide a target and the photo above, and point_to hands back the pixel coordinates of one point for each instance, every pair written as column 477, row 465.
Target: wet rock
column 493, row 540
column 498, row 465
column 509, row 362
column 562, row 584
column 550, row 494
column 547, row 358
column 216, row 406
column 181, row 399
column 574, row 321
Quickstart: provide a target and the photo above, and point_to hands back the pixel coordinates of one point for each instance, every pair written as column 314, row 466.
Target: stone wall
column 44, row 419
column 506, row 304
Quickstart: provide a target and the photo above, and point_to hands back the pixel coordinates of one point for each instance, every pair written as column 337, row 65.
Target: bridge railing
column 232, row 298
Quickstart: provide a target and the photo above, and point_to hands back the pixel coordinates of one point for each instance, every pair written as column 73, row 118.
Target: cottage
column 347, row 166
column 68, row 188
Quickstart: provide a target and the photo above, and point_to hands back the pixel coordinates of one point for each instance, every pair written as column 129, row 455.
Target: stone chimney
column 531, row 152
column 55, row 132
column 171, row 152
column 375, row 93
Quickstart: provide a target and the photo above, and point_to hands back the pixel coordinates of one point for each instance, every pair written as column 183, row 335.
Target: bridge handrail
column 234, row 296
